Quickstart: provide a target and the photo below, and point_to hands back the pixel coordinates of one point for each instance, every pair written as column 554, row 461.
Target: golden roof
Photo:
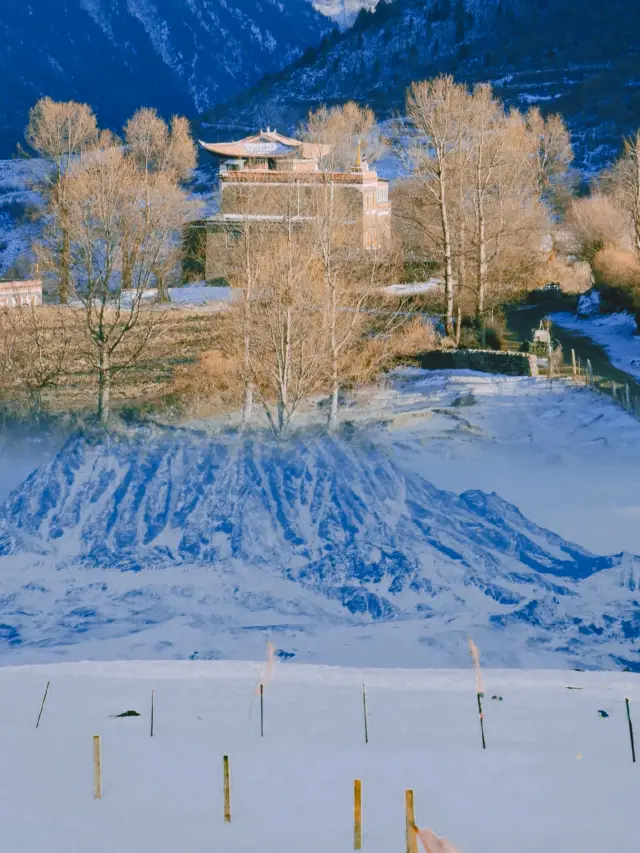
column 267, row 143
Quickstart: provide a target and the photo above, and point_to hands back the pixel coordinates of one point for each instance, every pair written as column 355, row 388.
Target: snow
column 555, row 775
column 617, row 333
column 413, row 288
column 463, row 503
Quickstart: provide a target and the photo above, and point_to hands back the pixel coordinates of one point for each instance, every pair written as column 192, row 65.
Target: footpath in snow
column 557, row 773
column 616, row 333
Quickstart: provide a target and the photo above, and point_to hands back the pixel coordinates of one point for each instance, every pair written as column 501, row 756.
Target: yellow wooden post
column 227, row 790
column 97, row 769
column 412, row 838
column 357, row 815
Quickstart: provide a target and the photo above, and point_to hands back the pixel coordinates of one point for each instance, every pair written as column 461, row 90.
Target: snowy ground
column 556, row 776
column 616, row 333
column 186, row 543
column 565, row 456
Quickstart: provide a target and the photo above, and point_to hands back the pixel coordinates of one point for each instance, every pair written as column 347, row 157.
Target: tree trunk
column 163, row 290
column 335, row 399
column 65, row 263
column 104, row 387
column 247, row 409
column 636, row 217
column 482, row 268
column 448, row 261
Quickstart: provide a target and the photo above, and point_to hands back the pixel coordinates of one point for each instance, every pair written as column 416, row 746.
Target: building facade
column 14, row 293
column 268, row 178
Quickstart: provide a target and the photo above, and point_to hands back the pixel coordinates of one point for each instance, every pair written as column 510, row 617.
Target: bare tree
column 554, row 155
column 35, row 349
column 625, row 184
column 158, row 149
column 111, row 207
column 434, row 109
column 343, row 130
column 283, row 352
column 61, row 132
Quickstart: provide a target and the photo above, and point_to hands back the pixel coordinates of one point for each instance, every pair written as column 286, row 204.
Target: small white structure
column 542, row 336
column 14, row 293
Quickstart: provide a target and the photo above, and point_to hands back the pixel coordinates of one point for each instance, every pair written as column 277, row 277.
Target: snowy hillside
column 557, row 773
column 579, row 58
column 119, row 55
column 172, row 543
column 344, row 12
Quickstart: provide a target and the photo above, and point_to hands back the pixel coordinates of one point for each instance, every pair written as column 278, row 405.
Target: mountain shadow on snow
column 142, row 530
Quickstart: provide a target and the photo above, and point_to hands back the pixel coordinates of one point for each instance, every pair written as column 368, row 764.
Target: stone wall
column 485, row 361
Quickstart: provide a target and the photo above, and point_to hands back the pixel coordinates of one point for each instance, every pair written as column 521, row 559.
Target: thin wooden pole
column 410, row 820
column 573, row 364
column 357, row 814
column 627, row 396
column 227, row 789
column 631, row 738
column 44, row 699
column 261, row 710
column 366, row 721
column 97, row 768
column 153, row 697
column 481, row 715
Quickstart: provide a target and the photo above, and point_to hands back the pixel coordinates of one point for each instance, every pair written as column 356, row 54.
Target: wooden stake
column 627, row 394
column 410, row 819
column 573, row 364
column 97, row 769
column 227, row 789
column 631, row 738
column 481, row 714
column 44, row 699
column 261, row 710
column 357, row 815
column 366, row 722
column 153, row 696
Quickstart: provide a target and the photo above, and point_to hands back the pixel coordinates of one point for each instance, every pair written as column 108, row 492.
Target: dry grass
column 573, row 277
column 179, row 338
column 597, row 223
column 616, row 267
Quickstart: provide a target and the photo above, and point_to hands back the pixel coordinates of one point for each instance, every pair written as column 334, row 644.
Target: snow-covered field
column 556, row 776
column 616, row 333
column 455, row 504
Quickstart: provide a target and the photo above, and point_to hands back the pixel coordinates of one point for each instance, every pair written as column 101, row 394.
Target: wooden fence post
column 97, row 768
column 573, row 364
column 410, row 818
column 364, row 708
column 589, row 372
column 227, row 789
column 627, row 392
column 357, row 815
column 44, row 699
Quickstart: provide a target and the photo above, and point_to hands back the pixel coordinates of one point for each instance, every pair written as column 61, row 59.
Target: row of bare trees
column 307, row 319
column 115, row 213
column 482, row 183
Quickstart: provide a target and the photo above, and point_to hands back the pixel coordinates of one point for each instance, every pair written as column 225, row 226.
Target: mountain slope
column 575, row 57
column 121, row 54
column 194, row 541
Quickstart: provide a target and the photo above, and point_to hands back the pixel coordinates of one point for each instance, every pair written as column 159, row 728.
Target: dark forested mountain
column 579, row 57
column 177, row 55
